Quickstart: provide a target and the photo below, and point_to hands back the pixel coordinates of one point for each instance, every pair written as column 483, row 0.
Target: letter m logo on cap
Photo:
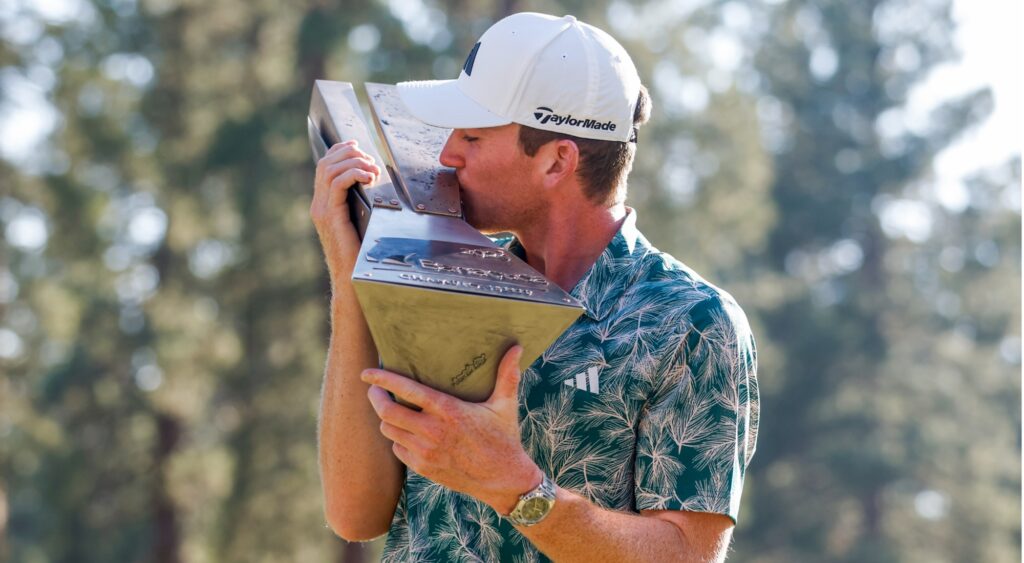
column 468, row 65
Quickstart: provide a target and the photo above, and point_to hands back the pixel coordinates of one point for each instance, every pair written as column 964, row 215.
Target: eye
column 469, row 138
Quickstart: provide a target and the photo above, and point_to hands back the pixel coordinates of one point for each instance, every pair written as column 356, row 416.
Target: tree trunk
column 167, row 540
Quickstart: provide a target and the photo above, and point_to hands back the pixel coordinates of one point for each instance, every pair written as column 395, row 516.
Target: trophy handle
column 335, row 116
column 358, row 207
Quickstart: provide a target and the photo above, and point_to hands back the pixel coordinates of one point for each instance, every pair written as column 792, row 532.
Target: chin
column 485, row 223
column 484, row 226
column 480, row 226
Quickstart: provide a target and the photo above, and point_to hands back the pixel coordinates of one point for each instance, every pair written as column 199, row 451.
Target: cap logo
column 545, row 114
column 468, row 65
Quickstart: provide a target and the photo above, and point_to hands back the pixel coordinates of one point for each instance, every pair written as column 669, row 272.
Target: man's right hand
column 343, row 166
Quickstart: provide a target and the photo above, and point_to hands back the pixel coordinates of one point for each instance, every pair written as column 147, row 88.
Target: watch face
column 534, row 509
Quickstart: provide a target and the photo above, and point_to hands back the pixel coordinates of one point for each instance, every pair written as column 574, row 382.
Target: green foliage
column 161, row 349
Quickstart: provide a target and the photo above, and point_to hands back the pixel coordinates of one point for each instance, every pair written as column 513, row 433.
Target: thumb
column 507, row 384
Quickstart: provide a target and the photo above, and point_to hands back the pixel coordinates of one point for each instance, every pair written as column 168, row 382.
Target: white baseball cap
column 557, row 74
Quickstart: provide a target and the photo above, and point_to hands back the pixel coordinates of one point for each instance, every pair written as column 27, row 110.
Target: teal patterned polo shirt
column 648, row 401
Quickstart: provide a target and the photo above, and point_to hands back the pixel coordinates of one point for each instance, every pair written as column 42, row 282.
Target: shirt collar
column 614, row 270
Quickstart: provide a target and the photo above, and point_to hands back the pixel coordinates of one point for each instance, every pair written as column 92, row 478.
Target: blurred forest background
column 163, row 299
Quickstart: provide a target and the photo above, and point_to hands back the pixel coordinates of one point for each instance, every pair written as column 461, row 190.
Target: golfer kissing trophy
column 442, row 301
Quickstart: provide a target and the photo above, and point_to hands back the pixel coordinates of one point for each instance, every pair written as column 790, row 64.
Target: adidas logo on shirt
column 586, row 381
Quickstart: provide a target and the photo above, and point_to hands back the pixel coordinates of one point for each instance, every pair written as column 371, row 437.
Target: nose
column 451, row 155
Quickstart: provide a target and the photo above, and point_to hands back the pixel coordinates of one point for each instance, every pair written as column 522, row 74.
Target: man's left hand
column 473, row 448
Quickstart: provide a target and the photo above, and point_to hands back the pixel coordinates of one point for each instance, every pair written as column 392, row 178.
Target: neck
column 566, row 242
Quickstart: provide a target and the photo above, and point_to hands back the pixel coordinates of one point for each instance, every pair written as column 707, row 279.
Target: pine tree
column 856, row 421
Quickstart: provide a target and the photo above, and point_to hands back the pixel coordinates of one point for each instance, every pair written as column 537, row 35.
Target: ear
column 560, row 158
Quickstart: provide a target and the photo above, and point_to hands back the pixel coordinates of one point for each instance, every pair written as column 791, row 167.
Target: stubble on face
column 495, row 185
column 500, row 211
column 489, row 217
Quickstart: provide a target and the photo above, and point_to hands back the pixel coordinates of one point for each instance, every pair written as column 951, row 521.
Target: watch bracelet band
column 546, row 489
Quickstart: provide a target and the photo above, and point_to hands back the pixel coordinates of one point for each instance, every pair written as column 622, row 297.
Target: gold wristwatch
column 535, row 505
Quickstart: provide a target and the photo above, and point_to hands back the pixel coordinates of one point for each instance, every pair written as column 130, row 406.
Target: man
column 628, row 439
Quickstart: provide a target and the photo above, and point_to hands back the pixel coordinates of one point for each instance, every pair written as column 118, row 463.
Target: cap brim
column 442, row 104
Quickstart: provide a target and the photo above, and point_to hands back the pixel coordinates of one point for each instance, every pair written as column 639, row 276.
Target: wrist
column 340, row 267
column 513, row 485
column 534, row 506
column 341, row 252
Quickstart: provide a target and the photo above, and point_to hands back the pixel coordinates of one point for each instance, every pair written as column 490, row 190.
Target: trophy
column 443, row 302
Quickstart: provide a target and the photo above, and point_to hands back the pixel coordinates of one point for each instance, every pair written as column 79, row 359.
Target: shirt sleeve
column 699, row 429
